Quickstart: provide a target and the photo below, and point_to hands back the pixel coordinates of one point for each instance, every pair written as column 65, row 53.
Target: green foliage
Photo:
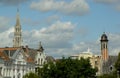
column 65, row 68
column 30, row 75
column 111, row 75
column 117, row 64
column 68, row 68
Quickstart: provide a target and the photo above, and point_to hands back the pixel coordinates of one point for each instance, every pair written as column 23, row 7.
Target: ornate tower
column 104, row 47
column 17, row 32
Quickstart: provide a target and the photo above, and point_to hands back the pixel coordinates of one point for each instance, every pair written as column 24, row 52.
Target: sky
column 64, row 27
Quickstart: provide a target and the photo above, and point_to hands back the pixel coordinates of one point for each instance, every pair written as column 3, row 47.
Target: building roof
column 50, row 59
column 8, row 48
column 10, row 53
column 4, row 56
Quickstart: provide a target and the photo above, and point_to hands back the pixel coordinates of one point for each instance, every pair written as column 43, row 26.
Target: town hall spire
column 17, row 32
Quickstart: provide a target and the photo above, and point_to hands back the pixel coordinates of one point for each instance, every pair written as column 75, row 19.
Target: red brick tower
column 104, row 47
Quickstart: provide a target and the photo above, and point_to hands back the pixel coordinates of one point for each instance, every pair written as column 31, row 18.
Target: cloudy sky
column 65, row 27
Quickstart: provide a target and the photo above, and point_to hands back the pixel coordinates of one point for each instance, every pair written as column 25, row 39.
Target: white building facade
column 16, row 62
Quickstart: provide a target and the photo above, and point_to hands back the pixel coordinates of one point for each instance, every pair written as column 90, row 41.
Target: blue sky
column 65, row 27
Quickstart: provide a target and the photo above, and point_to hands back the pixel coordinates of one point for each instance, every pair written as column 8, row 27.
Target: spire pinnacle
column 17, row 32
column 17, row 18
column 40, row 47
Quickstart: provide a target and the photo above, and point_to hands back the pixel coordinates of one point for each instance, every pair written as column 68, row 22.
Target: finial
column 40, row 47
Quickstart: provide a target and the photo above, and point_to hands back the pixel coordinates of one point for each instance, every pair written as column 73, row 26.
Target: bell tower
column 17, row 32
column 104, row 47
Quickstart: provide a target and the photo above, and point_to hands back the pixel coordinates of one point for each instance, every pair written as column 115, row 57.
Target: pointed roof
column 104, row 37
column 17, row 18
column 41, row 49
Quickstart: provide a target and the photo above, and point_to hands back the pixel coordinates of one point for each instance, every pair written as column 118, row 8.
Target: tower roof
column 41, row 49
column 17, row 32
column 17, row 18
column 104, row 37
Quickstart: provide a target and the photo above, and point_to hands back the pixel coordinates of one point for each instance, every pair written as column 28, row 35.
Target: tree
column 31, row 75
column 117, row 64
column 108, row 76
column 68, row 68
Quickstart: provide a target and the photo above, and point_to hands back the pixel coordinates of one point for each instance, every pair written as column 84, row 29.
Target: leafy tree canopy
column 31, row 75
column 68, row 68
column 117, row 64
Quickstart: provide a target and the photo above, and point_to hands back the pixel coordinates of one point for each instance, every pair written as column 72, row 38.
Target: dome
column 104, row 37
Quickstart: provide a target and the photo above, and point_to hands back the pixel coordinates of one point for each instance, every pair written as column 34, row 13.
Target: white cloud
column 52, row 18
column 4, row 23
column 57, row 39
column 114, row 40
column 74, row 7
column 53, row 36
column 76, row 48
column 5, row 39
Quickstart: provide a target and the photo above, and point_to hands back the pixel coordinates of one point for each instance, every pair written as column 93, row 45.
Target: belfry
column 104, row 47
column 17, row 32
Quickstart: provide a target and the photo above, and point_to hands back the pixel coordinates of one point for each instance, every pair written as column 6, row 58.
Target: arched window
column 41, row 61
column 111, row 68
column 18, row 75
column 38, row 60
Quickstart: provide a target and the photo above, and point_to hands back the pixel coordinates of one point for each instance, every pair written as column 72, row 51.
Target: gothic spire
column 17, row 32
column 17, row 18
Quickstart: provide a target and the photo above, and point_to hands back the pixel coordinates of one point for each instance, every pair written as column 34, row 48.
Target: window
column 103, row 45
column 41, row 61
column 38, row 60
column 111, row 68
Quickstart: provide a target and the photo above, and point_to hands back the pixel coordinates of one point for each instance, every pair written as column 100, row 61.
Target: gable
column 20, row 57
